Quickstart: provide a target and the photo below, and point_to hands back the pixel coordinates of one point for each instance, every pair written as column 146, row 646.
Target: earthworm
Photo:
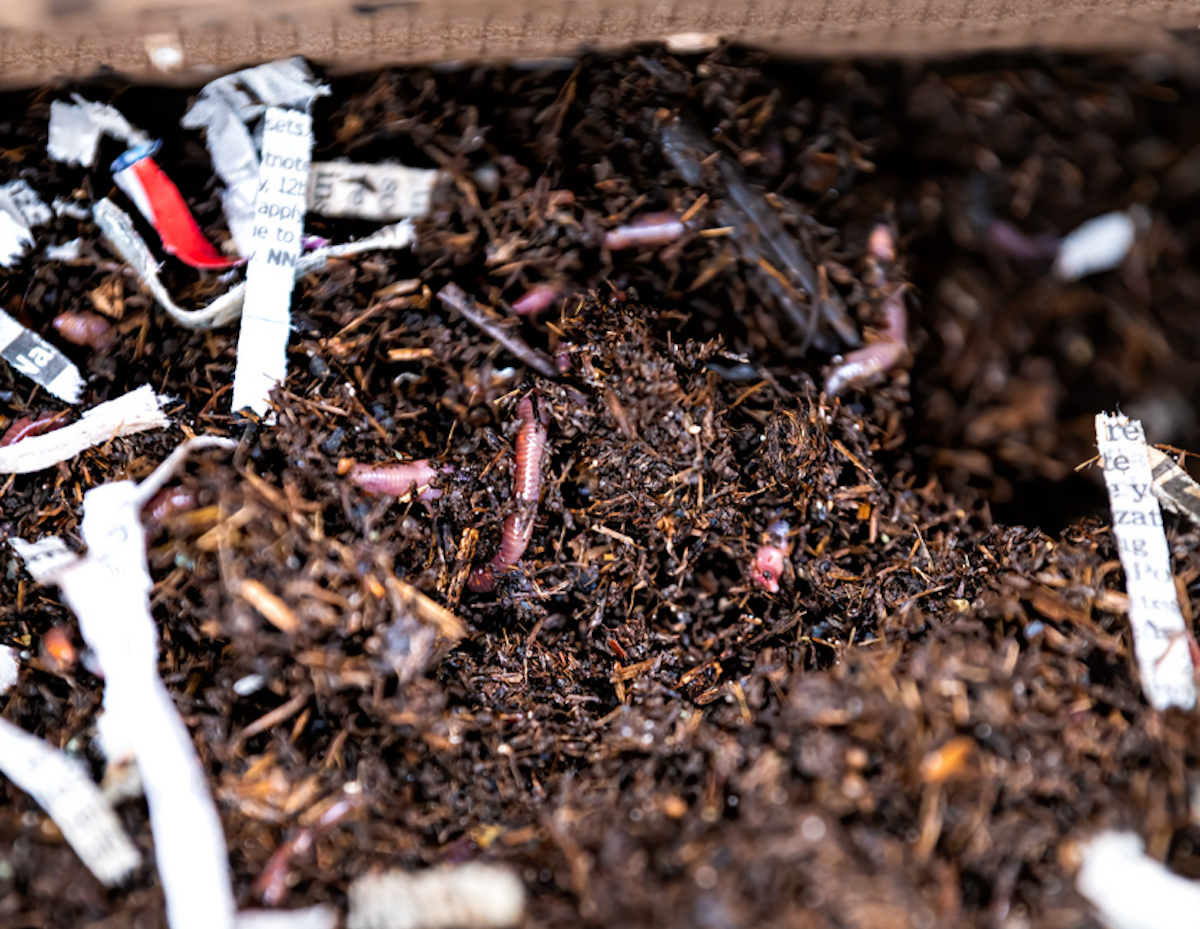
column 527, row 484
column 399, row 480
column 650, row 229
column 23, row 427
column 865, row 365
column 771, row 559
column 58, row 651
column 536, row 299
column 166, row 503
column 80, row 328
column 1006, row 238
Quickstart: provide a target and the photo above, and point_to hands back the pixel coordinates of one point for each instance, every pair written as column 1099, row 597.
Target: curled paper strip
column 117, row 228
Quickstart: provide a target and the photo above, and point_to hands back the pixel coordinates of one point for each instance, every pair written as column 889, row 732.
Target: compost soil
column 915, row 731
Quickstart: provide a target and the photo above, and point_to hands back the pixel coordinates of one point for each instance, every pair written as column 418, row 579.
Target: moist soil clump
column 911, row 726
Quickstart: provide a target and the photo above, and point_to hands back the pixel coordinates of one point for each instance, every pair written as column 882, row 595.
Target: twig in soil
column 486, row 319
column 276, row 716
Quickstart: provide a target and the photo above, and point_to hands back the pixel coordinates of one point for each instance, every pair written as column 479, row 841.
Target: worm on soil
column 650, row 229
column 527, row 484
column 771, row 558
column 80, row 328
column 536, row 299
column 399, row 480
column 166, row 503
column 866, row 365
column 24, row 426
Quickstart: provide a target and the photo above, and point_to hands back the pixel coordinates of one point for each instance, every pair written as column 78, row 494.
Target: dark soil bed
column 911, row 732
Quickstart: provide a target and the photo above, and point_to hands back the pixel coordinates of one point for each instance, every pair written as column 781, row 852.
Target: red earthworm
column 536, row 299
column 58, row 650
column 166, row 503
column 527, row 485
column 865, row 365
column 84, row 329
column 650, row 229
column 771, row 558
column 24, row 427
column 399, row 480
column 1006, row 238
column 271, row 886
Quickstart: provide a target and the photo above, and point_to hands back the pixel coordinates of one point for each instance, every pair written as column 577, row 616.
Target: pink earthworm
column 650, row 229
column 866, row 365
column 166, row 503
column 1006, row 238
column 527, row 484
column 84, row 329
column 771, row 558
column 536, row 299
column 24, row 427
column 399, row 480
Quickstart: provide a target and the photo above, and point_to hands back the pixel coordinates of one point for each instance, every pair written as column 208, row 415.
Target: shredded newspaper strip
column 1160, row 634
column 21, row 210
column 137, row 411
column 1173, row 486
column 484, row 896
column 109, row 591
column 379, row 192
column 119, row 230
column 279, row 225
column 75, row 130
column 10, row 669
column 224, row 109
column 31, row 355
column 61, row 786
column 1130, row 889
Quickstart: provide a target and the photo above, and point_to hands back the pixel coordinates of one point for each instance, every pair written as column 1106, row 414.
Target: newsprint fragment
column 1160, row 635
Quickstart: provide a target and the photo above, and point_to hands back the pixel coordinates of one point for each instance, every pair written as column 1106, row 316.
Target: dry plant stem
column 456, row 298
column 866, row 365
column 527, row 484
column 399, row 480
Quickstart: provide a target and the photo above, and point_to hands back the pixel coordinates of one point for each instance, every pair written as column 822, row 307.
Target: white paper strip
column 1131, row 890
column 380, row 192
column 118, row 229
column 136, row 411
column 109, row 591
column 1100, row 244
column 75, row 130
column 10, row 669
column 21, row 209
column 275, row 239
column 1160, row 635
column 62, row 788
column 223, row 109
column 483, row 896
column 31, row 355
